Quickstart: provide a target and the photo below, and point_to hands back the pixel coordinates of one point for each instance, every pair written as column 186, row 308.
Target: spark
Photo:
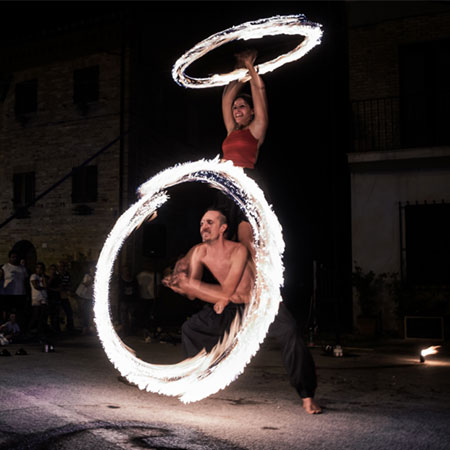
column 273, row 26
column 198, row 377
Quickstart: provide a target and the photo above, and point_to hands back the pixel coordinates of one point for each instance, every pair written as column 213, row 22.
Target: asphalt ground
column 378, row 395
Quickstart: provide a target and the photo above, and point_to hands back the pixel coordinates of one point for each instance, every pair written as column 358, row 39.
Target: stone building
column 400, row 157
column 69, row 165
column 68, row 97
column 63, row 99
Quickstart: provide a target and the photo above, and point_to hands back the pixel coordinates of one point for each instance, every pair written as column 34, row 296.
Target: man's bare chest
column 218, row 265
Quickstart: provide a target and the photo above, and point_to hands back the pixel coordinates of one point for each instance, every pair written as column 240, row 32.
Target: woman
column 246, row 120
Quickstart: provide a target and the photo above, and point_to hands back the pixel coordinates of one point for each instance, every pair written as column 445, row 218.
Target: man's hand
column 179, row 283
column 181, row 267
column 167, row 280
column 220, row 306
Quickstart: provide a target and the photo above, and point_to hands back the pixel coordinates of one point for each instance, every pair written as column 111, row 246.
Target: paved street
column 375, row 397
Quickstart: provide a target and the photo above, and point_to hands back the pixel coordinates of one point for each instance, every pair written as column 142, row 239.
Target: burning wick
column 428, row 351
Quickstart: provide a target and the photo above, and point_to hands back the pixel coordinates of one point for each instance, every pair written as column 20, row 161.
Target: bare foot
column 310, row 406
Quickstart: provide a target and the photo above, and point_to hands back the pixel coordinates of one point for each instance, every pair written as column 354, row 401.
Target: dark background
column 302, row 160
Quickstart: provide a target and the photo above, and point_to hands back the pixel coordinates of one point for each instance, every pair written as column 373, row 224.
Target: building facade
column 63, row 101
column 400, row 158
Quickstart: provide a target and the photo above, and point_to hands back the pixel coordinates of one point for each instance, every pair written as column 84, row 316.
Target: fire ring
column 198, row 377
column 273, row 26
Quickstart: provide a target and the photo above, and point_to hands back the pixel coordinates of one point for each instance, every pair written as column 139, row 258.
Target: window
column 86, row 85
column 25, row 97
column 23, row 192
column 84, row 184
column 427, row 243
column 425, row 93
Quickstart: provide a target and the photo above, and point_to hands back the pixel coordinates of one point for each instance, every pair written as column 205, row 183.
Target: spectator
column 148, row 280
column 54, row 298
column 10, row 330
column 14, row 288
column 39, row 299
column 85, row 292
column 128, row 300
column 65, row 285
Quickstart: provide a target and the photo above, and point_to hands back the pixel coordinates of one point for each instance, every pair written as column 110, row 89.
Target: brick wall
column 373, row 52
column 58, row 137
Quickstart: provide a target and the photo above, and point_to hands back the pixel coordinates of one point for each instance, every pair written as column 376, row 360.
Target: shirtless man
column 233, row 268
column 227, row 260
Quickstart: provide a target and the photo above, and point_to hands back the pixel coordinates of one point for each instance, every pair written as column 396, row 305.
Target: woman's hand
column 246, row 59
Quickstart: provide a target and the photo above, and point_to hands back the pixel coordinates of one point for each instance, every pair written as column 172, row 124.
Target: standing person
column 65, row 289
column 246, row 120
column 54, row 298
column 128, row 300
column 39, row 299
column 14, row 288
column 147, row 280
column 85, row 292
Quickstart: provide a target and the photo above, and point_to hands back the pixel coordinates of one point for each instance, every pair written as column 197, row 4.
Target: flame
column 430, row 350
column 272, row 26
column 206, row 373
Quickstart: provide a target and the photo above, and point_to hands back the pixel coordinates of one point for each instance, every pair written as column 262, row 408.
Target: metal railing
column 392, row 123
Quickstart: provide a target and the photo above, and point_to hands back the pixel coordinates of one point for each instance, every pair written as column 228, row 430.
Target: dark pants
column 129, row 316
column 297, row 358
column 206, row 328
column 67, row 308
column 86, row 310
column 39, row 318
column 53, row 312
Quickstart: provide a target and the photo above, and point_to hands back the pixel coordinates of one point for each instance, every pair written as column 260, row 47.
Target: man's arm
column 191, row 285
column 213, row 293
column 188, row 267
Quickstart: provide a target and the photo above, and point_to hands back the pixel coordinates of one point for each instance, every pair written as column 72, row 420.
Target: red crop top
column 241, row 147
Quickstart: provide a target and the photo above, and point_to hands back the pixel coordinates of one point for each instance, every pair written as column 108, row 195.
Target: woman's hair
column 246, row 97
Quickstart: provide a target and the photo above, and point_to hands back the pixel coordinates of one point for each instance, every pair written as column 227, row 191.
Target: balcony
column 404, row 122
